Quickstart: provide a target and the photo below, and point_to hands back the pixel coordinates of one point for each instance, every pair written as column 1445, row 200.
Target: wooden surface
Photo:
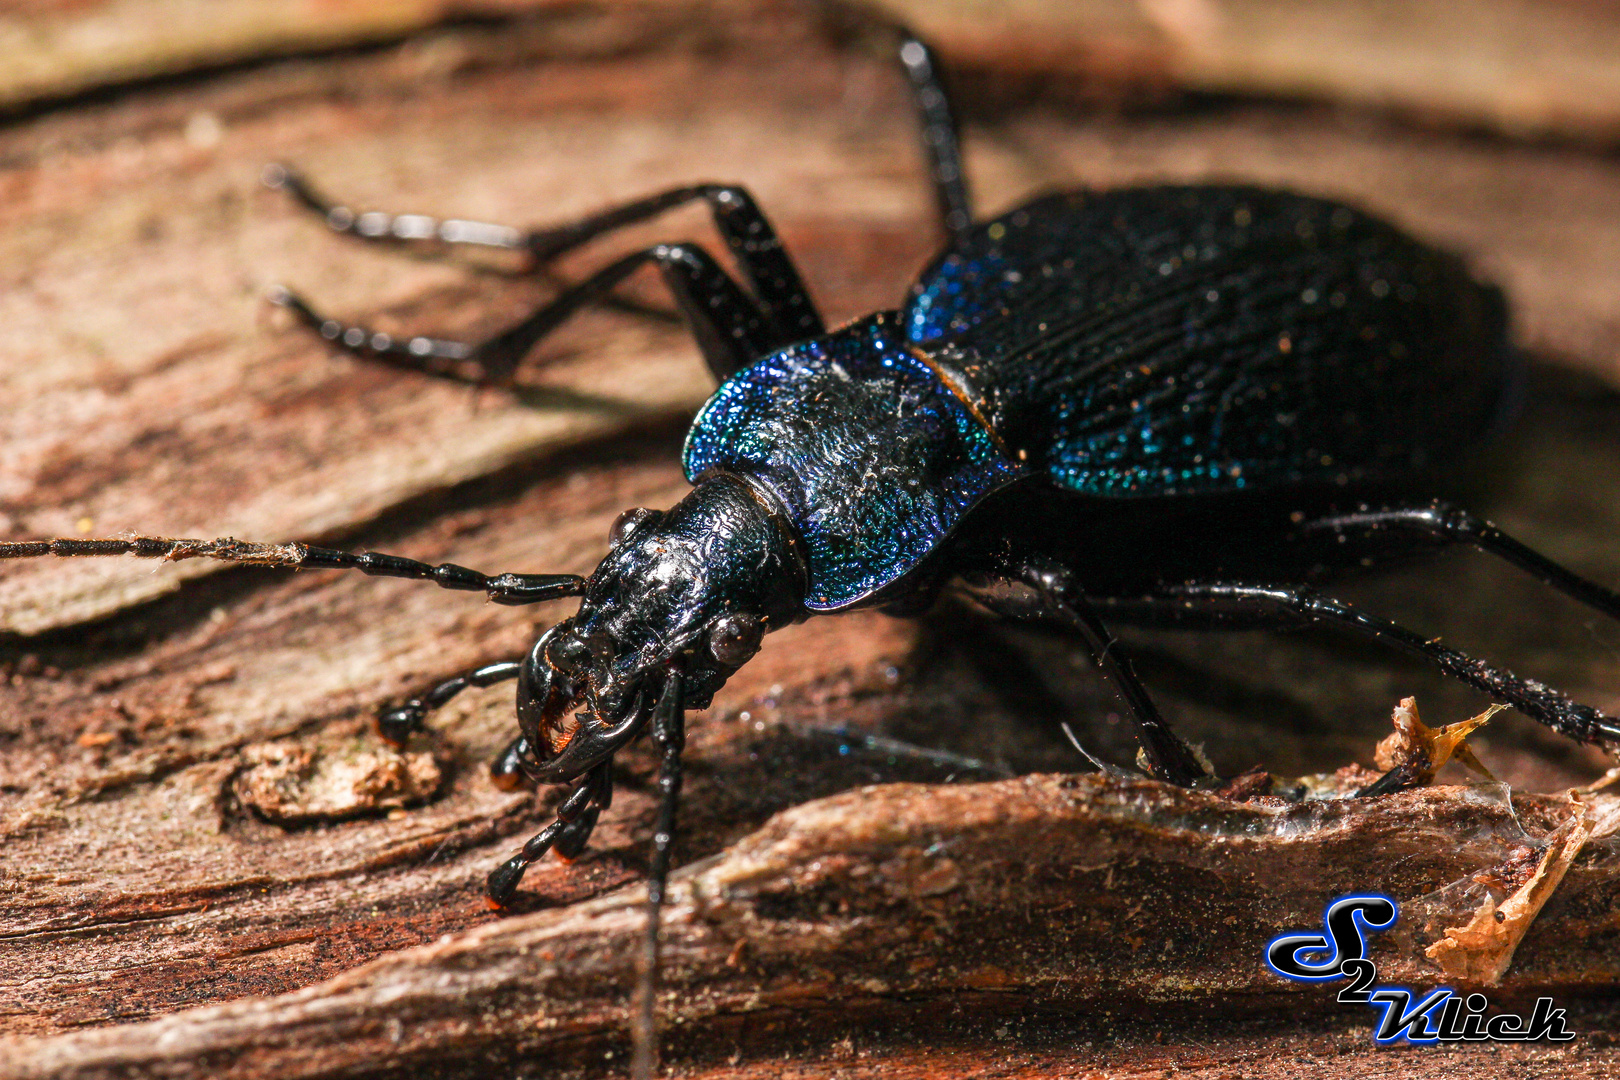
column 1523, row 67
column 160, row 726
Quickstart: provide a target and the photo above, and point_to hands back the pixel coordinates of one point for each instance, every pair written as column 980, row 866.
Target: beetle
column 1161, row 405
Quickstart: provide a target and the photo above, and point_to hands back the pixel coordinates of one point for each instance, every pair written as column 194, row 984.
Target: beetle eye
column 735, row 638
column 569, row 655
column 573, row 655
column 626, row 523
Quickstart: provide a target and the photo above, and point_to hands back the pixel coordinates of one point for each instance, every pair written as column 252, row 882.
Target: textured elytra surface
column 1172, row 341
column 135, row 886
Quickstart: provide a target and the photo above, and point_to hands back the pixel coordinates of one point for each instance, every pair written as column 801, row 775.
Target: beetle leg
column 1446, row 524
column 669, row 734
column 575, row 835
column 1169, row 758
column 1240, row 604
column 399, row 724
column 504, row 879
column 769, row 270
column 391, row 228
column 506, row 771
column 940, row 139
column 731, row 329
column 780, row 303
column 765, row 263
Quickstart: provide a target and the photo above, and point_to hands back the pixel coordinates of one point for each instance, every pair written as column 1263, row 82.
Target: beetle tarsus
column 568, row 831
column 396, row 726
column 1244, row 604
column 379, row 227
column 503, row 882
column 940, row 139
column 442, row 358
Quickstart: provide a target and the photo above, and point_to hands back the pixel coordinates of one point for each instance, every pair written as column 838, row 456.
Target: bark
column 911, row 898
column 193, row 810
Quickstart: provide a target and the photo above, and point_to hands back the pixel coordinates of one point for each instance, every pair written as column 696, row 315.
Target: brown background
column 166, row 732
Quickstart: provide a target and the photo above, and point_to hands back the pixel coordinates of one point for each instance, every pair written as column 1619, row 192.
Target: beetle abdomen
column 874, row 460
column 1178, row 340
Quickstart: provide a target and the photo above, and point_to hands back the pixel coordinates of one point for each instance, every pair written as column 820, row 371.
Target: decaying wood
column 887, row 899
column 192, row 810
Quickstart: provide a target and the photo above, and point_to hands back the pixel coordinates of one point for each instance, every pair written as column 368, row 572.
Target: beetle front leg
column 765, row 263
column 378, row 227
column 942, row 143
column 572, row 826
column 1168, row 756
column 398, row 724
column 733, row 328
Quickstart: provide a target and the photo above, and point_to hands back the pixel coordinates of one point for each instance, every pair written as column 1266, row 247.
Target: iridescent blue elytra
column 1155, row 342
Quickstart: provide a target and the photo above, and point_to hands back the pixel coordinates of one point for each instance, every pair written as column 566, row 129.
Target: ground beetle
column 1159, row 405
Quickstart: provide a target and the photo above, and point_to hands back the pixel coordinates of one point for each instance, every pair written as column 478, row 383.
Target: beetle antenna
column 501, row 588
column 669, row 732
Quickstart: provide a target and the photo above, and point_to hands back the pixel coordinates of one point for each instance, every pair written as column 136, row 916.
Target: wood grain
column 883, row 900
column 144, row 869
column 1522, row 67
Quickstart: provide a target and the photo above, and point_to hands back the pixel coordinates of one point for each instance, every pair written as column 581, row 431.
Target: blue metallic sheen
column 873, row 457
column 1170, row 341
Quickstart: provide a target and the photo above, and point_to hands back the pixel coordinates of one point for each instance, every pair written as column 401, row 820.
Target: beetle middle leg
column 1168, row 756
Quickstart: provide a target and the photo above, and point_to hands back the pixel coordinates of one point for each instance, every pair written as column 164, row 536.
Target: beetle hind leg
column 1257, row 606
column 1441, row 523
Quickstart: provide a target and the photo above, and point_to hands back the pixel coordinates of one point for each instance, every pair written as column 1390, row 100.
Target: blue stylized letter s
column 1347, row 920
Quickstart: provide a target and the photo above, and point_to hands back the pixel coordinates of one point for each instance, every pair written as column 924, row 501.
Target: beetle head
column 700, row 584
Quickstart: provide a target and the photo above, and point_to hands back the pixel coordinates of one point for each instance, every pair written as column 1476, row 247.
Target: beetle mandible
column 1162, row 405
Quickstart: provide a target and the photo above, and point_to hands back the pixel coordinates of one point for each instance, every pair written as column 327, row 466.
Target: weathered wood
column 145, row 869
column 889, row 899
column 1525, row 68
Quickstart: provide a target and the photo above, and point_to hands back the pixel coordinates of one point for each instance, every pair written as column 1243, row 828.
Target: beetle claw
column 396, row 726
column 503, row 882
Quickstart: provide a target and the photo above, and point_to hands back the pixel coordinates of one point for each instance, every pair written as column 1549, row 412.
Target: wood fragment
column 1421, row 751
column 1480, row 953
